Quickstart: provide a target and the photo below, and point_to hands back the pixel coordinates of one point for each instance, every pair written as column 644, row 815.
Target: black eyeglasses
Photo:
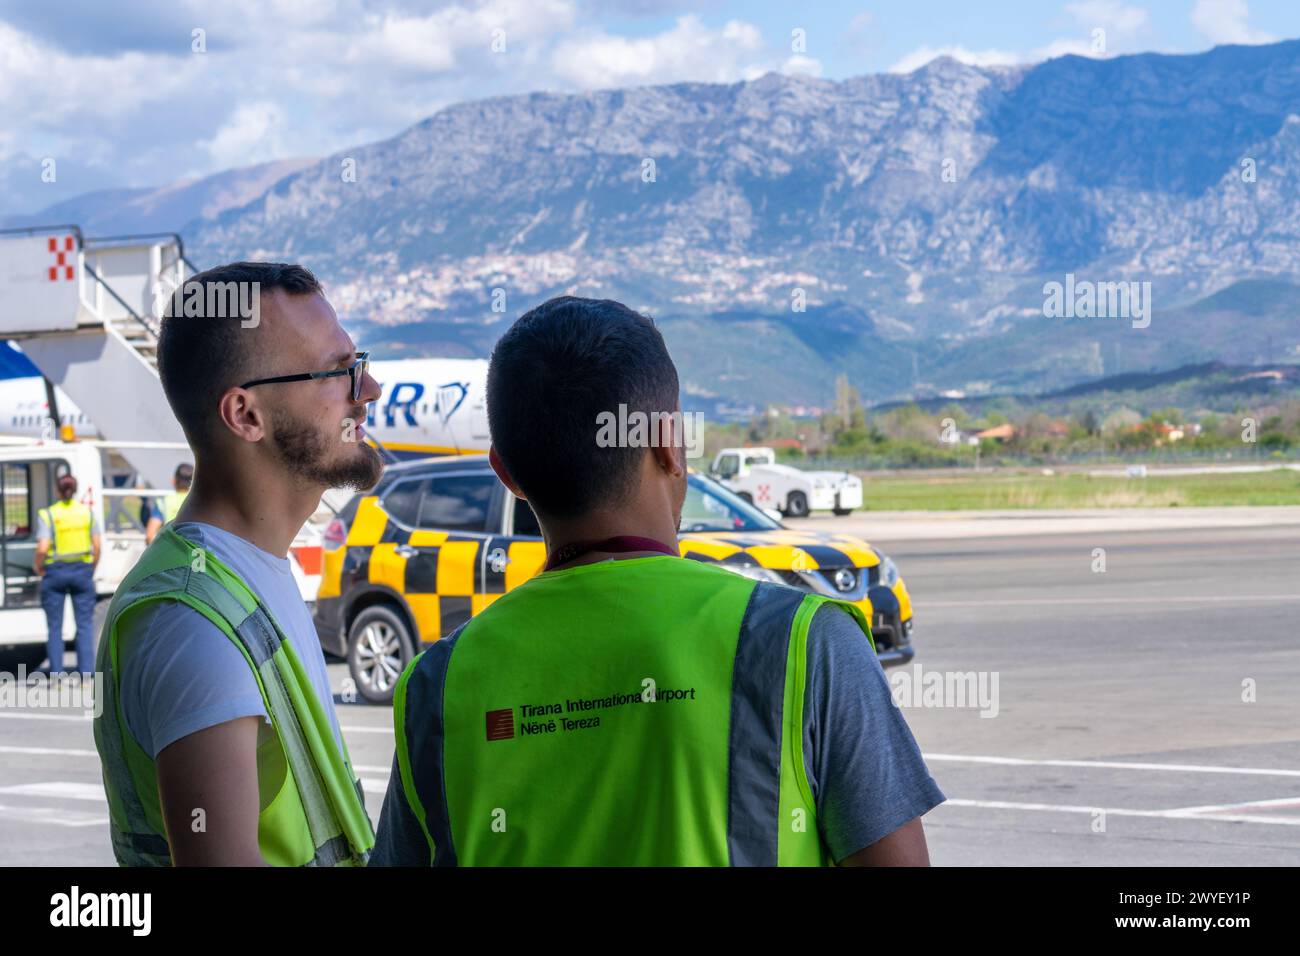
column 356, row 371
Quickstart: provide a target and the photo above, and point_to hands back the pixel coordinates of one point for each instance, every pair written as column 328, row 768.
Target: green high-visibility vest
column 171, row 504
column 640, row 711
column 71, row 524
column 312, row 806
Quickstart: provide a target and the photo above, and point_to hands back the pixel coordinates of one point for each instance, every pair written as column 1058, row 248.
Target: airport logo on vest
column 501, row 724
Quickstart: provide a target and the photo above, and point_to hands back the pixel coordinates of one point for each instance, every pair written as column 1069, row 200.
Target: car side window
column 525, row 521
column 457, row 503
column 16, row 482
column 403, row 500
column 728, row 466
column 701, row 512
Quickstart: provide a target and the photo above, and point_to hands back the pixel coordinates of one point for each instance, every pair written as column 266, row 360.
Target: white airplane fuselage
column 426, row 407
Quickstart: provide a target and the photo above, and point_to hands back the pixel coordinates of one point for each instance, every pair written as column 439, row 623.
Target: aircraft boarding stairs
column 86, row 312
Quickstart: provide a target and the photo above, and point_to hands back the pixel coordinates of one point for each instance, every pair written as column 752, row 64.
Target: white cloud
column 687, row 51
column 923, row 55
column 1119, row 21
column 56, row 88
column 1225, row 21
column 254, row 133
column 431, row 43
column 802, row 66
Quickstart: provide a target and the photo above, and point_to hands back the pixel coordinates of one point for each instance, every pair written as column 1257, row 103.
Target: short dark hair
column 184, row 474
column 202, row 355
column 553, row 372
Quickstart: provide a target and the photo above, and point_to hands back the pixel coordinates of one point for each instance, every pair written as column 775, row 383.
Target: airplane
column 24, row 411
column 430, row 407
column 426, row 407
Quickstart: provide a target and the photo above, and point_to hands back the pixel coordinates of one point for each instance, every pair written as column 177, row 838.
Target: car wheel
column 796, row 506
column 379, row 648
column 745, row 496
column 841, row 511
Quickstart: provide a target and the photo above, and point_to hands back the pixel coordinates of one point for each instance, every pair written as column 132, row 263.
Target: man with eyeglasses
column 218, row 735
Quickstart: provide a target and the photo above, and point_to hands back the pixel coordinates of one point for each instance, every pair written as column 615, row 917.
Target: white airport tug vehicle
column 754, row 475
column 106, row 483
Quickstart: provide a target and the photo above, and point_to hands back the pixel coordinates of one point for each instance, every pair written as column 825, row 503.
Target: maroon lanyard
column 619, row 543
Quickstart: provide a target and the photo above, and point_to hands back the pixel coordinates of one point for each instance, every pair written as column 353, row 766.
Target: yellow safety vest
column 312, row 806
column 71, row 523
column 172, row 504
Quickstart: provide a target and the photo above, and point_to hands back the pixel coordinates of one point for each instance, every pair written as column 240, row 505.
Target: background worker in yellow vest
column 628, row 706
column 68, row 539
column 270, row 403
column 164, row 510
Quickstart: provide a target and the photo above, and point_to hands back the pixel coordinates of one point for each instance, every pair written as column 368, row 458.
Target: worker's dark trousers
column 76, row 578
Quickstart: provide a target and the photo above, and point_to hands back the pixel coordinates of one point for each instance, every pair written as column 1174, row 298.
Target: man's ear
column 666, row 457
column 241, row 415
column 499, row 467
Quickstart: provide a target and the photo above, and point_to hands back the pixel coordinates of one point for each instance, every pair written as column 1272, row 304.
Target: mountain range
column 896, row 227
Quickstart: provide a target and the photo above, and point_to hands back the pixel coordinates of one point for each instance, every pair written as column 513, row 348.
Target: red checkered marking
column 61, row 257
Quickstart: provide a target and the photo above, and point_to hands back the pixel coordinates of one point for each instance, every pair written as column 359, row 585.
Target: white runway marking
column 1050, row 602
column 1177, row 814
column 58, row 817
column 52, row 751
column 59, row 789
column 1115, row 765
column 360, row 729
column 1279, row 803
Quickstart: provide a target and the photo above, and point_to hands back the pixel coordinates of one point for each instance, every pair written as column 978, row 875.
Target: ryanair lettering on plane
column 407, row 399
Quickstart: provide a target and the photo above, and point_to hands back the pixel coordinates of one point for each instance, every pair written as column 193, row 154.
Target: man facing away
column 68, row 541
column 160, row 512
column 628, row 706
column 219, row 739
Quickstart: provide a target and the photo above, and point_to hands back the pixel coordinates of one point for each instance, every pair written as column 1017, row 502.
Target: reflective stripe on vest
column 172, row 504
column 525, row 738
column 316, row 816
column 70, row 525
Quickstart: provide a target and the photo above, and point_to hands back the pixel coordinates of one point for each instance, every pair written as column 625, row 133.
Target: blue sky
column 118, row 95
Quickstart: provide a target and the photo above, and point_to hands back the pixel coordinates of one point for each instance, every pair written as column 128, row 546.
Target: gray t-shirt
column 182, row 674
column 867, row 774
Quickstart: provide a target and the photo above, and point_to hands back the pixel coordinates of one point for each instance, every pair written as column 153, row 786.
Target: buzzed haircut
column 202, row 351
column 551, row 375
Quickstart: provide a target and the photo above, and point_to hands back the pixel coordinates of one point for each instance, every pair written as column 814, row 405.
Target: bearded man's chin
column 363, row 472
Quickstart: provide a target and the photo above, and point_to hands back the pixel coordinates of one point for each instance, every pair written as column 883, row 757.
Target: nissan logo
column 845, row 579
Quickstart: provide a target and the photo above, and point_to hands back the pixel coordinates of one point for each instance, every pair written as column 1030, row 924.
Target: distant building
column 998, row 432
column 1170, row 432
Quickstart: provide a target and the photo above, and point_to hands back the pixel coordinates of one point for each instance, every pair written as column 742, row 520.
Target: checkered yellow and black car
column 438, row 540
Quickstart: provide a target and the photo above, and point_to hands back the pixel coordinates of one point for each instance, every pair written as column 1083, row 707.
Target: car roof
column 427, row 466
